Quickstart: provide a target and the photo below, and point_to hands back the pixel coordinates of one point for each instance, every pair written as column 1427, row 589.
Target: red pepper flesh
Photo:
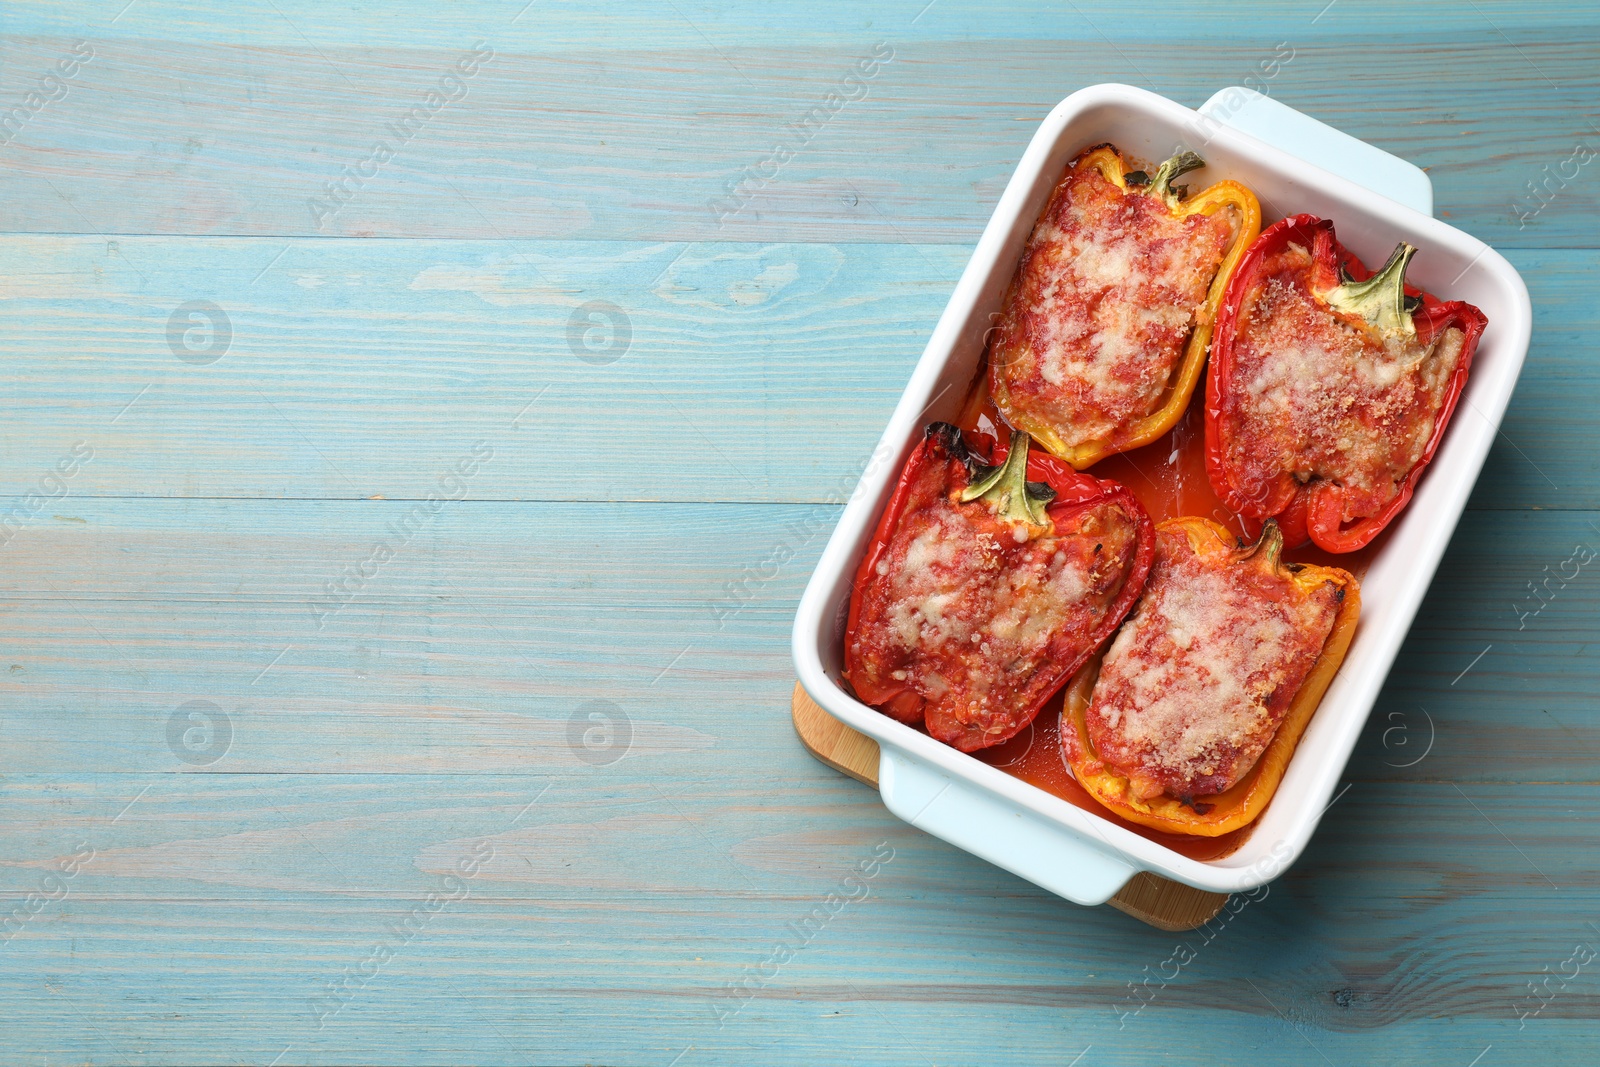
column 986, row 586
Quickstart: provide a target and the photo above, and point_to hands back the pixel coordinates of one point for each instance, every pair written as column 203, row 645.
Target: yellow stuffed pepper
column 1188, row 722
column 1104, row 330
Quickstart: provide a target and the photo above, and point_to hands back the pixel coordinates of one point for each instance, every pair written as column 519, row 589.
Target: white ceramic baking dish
column 1294, row 164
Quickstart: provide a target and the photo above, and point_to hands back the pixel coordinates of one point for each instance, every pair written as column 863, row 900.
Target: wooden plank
column 473, row 648
column 1158, row 902
column 545, row 142
column 476, row 643
column 742, row 372
column 750, row 372
column 219, row 904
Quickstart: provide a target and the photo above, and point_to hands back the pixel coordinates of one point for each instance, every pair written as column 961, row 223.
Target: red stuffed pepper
column 1330, row 387
column 987, row 584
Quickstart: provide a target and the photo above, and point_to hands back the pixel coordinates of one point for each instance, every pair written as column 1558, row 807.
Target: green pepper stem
column 1006, row 487
column 1181, row 163
column 1269, row 546
column 1380, row 301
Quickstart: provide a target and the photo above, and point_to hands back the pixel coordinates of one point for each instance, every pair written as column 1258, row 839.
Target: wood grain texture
column 572, row 682
column 238, row 134
column 226, row 902
column 473, row 647
column 831, row 741
column 751, row 372
column 1156, row 901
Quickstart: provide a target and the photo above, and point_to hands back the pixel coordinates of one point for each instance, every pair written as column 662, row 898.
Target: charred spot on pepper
column 954, row 444
column 1136, row 177
column 949, row 436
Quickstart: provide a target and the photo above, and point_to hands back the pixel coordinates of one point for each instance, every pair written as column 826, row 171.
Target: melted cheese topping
column 1106, row 297
column 1197, row 681
column 1316, row 396
column 983, row 625
column 957, row 587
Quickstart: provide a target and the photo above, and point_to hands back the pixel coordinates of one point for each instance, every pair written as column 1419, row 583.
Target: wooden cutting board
column 1162, row 903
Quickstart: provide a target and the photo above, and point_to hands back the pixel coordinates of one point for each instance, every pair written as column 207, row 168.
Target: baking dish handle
column 1320, row 144
column 1002, row 833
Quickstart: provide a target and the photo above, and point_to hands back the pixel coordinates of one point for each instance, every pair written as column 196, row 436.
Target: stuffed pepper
column 1330, row 389
column 1104, row 330
column 987, row 583
column 1188, row 722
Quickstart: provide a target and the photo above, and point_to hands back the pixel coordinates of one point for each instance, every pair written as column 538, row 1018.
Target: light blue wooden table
column 396, row 593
